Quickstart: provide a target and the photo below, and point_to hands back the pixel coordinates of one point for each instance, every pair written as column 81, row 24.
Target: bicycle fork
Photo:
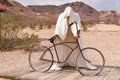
column 56, row 52
column 81, row 51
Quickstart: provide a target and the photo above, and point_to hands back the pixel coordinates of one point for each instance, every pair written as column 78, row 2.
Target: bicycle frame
column 63, row 43
column 76, row 45
column 72, row 49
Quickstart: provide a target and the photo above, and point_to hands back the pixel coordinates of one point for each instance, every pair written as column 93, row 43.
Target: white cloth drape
column 69, row 34
column 62, row 25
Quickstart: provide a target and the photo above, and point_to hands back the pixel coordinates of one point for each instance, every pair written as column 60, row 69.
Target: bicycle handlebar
column 54, row 37
column 72, row 23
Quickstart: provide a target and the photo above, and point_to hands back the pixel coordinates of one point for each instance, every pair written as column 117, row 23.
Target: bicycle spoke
column 40, row 59
column 96, row 62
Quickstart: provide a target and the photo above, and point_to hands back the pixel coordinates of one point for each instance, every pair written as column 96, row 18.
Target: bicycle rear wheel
column 40, row 58
column 95, row 58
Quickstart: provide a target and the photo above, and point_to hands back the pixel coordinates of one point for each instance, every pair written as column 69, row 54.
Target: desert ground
column 104, row 37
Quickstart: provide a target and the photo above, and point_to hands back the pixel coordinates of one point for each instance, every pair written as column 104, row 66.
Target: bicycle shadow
column 111, row 70
column 107, row 70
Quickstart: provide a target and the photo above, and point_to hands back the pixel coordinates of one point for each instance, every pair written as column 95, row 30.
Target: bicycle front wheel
column 94, row 59
column 40, row 58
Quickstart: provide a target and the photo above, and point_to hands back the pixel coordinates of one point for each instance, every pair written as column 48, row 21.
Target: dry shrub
column 10, row 29
column 86, row 24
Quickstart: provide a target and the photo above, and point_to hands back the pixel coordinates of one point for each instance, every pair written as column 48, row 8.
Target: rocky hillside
column 109, row 16
column 86, row 12
column 14, row 8
column 46, row 15
column 6, row 2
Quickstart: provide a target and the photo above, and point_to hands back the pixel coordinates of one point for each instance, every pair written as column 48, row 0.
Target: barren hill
column 14, row 8
column 86, row 12
column 109, row 16
column 46, row 15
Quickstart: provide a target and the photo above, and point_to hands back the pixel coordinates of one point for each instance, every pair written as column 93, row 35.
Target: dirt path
column 108, row 42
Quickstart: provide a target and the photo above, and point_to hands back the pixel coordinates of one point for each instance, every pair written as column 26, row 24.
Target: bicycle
column 43, row 55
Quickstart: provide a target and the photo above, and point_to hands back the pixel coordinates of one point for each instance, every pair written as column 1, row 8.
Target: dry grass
column 108, row 42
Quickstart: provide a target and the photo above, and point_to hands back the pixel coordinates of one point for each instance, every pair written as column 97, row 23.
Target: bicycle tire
column 40, row 58
column 95, row 58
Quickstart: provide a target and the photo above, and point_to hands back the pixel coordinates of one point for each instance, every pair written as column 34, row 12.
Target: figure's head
column 68, row 11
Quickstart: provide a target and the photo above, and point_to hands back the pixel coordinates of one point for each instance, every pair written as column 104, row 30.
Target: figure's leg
column 56, row 67
column 61, row 50
column 81, row 46
column 90, row 66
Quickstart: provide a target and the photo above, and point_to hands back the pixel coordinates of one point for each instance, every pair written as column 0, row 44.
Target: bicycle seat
column 52, row 39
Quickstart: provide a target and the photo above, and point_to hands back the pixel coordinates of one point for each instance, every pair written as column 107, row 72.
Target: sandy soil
column 102, row 37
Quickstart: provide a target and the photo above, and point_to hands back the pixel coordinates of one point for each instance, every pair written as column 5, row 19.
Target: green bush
column 28, row 41
column 10, row 29
column 86, row 24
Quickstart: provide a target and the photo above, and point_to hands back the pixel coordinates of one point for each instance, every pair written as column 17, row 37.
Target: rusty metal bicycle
column 41, row 57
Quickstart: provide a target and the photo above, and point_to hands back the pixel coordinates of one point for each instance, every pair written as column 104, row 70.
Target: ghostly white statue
column 65, row 33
